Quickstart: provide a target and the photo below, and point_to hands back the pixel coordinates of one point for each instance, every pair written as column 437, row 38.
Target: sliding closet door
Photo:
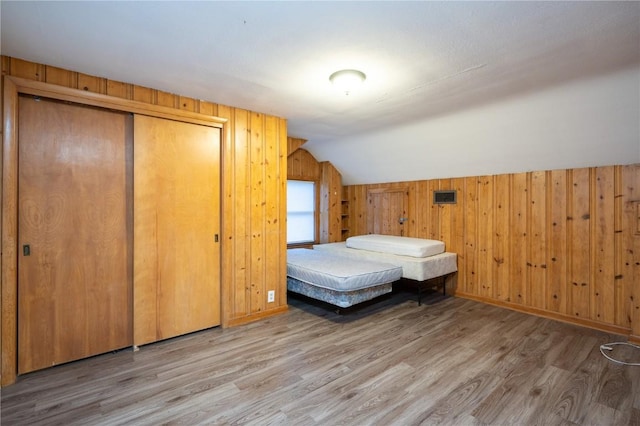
column 74, row 267
column 176, row 228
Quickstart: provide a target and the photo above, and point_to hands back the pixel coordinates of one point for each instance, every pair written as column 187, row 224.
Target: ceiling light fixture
column 347, row 80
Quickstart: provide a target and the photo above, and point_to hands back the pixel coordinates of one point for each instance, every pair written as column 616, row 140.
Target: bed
column 421, row 260
column 337, row 279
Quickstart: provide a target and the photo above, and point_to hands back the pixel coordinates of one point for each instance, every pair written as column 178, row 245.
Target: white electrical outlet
column 271, row 296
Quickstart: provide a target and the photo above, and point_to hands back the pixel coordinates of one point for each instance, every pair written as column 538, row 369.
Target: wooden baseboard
column 634, row 339
column 608, row 328
column 255, row 317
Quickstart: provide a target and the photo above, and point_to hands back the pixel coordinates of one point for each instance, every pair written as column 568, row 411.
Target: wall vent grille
column 448, row 196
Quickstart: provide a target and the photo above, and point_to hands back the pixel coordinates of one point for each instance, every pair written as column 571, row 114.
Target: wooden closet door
column 176, row 228
column 74, row 267
column 387, row 211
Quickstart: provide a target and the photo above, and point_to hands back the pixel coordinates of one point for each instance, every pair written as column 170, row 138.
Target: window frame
column 316, row 213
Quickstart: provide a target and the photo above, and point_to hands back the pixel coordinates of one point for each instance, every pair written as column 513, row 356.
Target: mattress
column 402, row 246
column 339, row 273
column 342, row 299
column 414, row 268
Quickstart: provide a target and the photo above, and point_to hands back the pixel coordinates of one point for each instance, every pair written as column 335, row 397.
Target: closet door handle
column 26, row 250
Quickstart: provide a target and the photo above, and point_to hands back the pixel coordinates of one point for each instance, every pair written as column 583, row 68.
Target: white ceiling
column 422, row 59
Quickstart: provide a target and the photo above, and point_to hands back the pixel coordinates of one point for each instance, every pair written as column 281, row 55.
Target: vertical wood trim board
column 560, row 243
column 501, row 238
column 9, row 291
column 330, row 204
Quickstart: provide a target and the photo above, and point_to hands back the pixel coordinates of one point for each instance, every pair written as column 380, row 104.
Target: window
column 301, row 214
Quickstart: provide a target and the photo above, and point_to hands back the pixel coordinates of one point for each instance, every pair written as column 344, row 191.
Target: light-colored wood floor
column 450, row 361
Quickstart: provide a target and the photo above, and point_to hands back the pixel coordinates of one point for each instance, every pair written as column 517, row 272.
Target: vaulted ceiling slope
column 425, row 62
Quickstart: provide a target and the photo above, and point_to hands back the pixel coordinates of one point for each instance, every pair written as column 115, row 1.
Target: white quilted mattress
column 414, row 268
column 402, row 246
column 327, row 270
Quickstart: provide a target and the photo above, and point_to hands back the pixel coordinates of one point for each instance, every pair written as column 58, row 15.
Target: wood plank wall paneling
column 558, row 265
column 331, row 220
column 485, row 234
column 579, row 249
column 456, row 238
column 275, row 183
column 254, row 215
column 518, row 240
column 253, row 186
column 501, row 239
column 356, row 196
column 293, row 144
column 602, row 254
column 302, row 165
column 563, row 243
column 537, row 232
column 257, row 267
column 470, row 256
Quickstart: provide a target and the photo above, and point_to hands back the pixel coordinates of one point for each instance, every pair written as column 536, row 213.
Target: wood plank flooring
column 449, row 361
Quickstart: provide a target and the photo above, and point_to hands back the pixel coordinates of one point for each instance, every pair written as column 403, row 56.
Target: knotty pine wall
column 330, row 204
column 253, row 189
column 563, row 243
column 301, row 165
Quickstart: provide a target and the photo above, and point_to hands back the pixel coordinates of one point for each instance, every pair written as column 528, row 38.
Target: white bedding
column 402, row 246
column 326, row 270
column 414, row 268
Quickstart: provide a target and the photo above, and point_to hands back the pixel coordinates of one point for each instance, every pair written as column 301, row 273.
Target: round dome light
column 347, row 80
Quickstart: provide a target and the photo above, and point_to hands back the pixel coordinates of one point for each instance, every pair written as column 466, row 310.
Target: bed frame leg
column 444, row 288
column 444, row 285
